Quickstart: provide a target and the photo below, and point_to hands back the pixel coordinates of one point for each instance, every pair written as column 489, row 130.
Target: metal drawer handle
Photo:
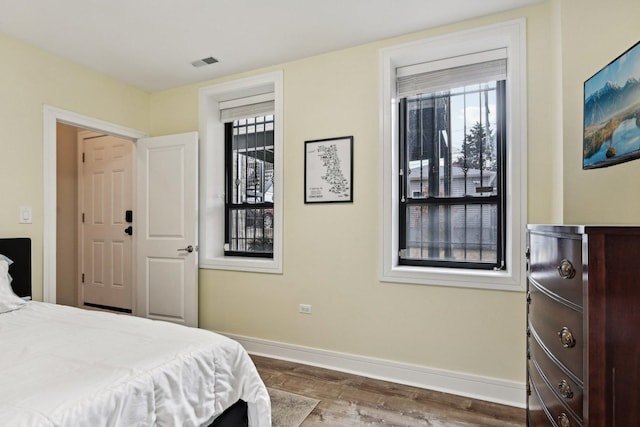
column 563, row 420
column 566, row 270
column 565, row 389
column 566, row 337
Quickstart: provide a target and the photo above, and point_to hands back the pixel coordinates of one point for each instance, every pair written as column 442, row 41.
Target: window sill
column 503, row 280
column 253, row 265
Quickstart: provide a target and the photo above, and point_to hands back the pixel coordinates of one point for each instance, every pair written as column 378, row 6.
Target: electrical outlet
column 304, row 308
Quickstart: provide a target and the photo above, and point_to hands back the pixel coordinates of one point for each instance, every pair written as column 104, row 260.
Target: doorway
column 94, row 192
column 66, row 237
column 167, row 209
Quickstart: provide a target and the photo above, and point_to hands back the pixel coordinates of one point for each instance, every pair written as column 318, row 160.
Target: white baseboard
column 510, row 393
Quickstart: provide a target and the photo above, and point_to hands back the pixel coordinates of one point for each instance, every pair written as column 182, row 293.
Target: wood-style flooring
column 351, row 400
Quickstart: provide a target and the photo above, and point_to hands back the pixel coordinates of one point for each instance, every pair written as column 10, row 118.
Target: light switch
column 26, row 215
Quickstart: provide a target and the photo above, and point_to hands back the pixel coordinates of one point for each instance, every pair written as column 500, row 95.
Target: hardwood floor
column 351, row 400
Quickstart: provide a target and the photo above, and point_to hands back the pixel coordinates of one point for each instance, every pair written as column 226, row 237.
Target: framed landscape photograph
column 328, row 170
column 612, row 112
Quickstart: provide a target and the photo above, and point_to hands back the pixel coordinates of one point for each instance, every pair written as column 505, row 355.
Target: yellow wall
column 332, row 251
column 29, row 79
column 594, row 34
column 67, row 215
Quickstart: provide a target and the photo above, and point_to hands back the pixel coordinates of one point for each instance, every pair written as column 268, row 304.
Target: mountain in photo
column 609, row 100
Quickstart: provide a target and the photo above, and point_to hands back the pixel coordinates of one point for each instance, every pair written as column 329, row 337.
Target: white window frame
column 512, row 36
column 212, row 169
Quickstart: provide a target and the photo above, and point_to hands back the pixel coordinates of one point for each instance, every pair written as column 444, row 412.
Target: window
column 249, row 178
column 454, row 138
column 451, row 152
column 241, row 175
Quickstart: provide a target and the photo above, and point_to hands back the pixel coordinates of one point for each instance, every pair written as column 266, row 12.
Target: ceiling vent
column 204, row 61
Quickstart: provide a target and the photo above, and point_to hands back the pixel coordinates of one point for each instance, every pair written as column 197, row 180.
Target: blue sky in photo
column 619, row 71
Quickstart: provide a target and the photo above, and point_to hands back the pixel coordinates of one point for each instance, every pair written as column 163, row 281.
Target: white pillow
column 8, row 300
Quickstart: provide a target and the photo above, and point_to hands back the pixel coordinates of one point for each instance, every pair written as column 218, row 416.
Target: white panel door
column 167, row 224
column 107, row 255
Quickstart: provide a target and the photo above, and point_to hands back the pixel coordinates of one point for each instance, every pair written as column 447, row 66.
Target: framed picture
column 612, row 112
column 328, row 170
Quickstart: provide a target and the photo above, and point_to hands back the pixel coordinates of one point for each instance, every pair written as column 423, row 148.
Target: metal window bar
column 249, row 174
column 481, row 159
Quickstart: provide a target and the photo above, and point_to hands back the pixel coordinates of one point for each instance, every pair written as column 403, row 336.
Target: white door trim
column 53, row 116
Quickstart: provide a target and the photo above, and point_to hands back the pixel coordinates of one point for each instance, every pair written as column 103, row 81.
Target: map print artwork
column 334, row 177
column 328, row 171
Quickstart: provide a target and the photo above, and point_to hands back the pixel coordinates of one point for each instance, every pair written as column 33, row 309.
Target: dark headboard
column 19, row 251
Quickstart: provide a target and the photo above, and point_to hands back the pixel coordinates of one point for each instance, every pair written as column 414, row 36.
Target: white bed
column 63, row 366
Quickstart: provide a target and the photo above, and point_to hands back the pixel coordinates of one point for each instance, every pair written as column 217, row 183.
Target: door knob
column 129, row 230
column 187, row 249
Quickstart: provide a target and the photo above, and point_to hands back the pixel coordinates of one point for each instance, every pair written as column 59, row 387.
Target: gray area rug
column 289, row 409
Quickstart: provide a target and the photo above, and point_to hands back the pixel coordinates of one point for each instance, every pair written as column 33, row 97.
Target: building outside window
column 451, row 151
column 249, row 177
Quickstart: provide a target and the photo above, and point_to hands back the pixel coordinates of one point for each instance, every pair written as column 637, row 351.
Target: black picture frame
column 328, row 170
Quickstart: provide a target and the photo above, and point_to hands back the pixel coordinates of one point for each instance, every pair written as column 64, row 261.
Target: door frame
column 51, row 117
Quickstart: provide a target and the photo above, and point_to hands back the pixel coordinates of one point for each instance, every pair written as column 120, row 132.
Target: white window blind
column 241, row 108
column 449, row 73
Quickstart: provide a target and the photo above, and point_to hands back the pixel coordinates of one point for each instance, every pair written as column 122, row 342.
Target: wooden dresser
column 583, row 326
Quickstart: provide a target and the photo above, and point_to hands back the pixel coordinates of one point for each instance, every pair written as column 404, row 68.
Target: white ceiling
column 150, row 44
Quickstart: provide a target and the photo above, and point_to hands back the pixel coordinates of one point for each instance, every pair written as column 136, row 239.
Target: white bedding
column 62, row 366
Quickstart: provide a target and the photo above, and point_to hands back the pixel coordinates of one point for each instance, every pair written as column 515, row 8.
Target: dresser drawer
column 556, row 264
column 566, row 388
column 556, row 410
column 536, row 414
column 558, row 328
